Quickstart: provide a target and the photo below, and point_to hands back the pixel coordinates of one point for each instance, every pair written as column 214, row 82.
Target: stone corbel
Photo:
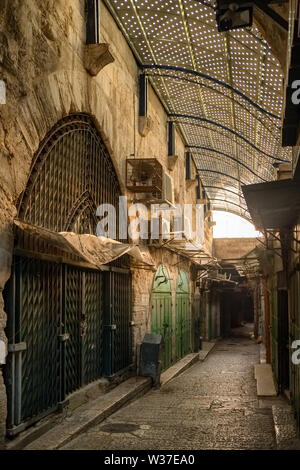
column 201, row 201
column 96, row 57
column 145, row 125
column 191, row 183
column 172, row 160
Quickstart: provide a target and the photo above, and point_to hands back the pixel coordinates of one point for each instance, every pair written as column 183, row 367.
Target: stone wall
column 233, row 248
column 143, row 282
column 41, row 61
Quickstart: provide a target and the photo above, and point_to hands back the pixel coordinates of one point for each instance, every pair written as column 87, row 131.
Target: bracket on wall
column 96, row 57
column 145, row 125
column 191, row 183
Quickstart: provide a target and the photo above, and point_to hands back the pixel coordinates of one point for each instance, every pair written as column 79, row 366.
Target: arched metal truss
column 236, row 134
column 207, row 149
column 220, row 188
column 270, row 124
column 228, row 193
column 229, row 202
column 209, row 170
column 223, row 90
column 215, row 81
column 240, row 213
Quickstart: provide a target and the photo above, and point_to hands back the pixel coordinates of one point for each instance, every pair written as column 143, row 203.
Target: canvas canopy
column 97, row 251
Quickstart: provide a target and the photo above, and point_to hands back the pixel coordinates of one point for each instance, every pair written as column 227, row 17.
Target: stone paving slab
column 265, row 382
column 91, row 414
column 205, row 407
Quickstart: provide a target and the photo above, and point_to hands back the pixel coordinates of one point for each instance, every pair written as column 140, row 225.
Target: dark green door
column 162, row 312
column 183, row 320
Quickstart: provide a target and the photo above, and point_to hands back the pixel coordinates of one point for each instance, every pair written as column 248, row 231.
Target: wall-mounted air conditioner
column 146, row 178
column 144, row 175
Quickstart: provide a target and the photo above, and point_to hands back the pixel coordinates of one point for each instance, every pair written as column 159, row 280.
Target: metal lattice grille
column 38, row 326
column 93, row 338
column 117, row 329
column 121, row 318
column 55, row 326
column 72, row 314
column 71, row 172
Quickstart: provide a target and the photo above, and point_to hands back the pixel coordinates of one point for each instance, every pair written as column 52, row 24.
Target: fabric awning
column 97, row 251
column 273, row 205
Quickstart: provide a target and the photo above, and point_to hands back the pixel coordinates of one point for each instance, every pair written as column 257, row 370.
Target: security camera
column 233, row 15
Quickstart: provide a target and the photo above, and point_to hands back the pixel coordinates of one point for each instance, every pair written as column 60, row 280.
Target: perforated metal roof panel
column 224, row 91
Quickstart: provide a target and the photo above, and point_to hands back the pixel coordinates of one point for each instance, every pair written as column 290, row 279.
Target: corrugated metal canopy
column 224, row 91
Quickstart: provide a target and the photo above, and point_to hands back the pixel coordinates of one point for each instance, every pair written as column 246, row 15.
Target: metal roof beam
column 215, row 80
column 214, row 123
column 231, row 158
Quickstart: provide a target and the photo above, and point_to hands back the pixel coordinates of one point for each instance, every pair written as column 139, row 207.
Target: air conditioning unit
column 146, row 178
column 168, row 189
column 144, row 175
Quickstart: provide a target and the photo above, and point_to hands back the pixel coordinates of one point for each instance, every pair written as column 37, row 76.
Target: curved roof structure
column 224, row 91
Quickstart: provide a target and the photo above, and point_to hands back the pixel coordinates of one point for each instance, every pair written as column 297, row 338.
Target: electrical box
column 150, row 357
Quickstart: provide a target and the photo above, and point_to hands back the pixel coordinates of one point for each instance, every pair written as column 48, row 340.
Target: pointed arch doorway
column 68, row 323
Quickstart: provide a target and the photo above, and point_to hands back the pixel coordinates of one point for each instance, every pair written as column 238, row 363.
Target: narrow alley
column 213, row 405
column 149, row 225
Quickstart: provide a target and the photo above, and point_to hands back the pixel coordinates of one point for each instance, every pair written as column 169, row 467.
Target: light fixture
column 233, row 15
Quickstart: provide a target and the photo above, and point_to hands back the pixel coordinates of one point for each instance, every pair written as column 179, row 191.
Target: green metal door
column 162, row 312
column 183, row 320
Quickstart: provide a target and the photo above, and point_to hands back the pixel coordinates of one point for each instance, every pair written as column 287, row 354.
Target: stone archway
column 24, row 125
column 57, row 308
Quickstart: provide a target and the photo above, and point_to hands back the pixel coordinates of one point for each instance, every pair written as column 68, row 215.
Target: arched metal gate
column 68, row 324
column 183, row 316
column 162, row 312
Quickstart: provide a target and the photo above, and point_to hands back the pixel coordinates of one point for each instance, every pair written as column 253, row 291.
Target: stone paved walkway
column 213, row 405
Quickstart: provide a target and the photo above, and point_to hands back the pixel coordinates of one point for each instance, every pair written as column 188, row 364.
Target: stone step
column 91, row 414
